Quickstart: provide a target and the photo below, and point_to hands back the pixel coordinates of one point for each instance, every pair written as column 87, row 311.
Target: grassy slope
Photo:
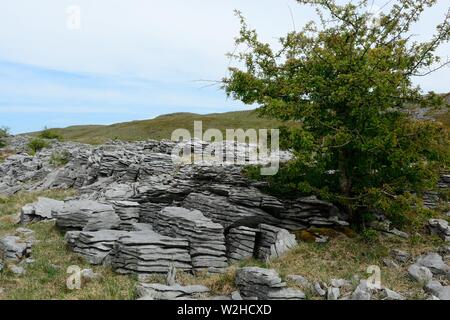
column 163, row 126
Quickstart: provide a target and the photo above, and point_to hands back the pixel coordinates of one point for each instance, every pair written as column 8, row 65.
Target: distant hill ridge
column 162, row 126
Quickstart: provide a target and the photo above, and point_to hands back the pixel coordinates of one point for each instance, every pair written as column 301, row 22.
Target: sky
column 137, row 59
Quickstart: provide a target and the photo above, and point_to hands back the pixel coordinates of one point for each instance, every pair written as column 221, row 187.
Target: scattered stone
column 435, row 263
column 318, row 289
column 14, row 248
column 419, row 273
column 388, row 294
column 89, row 275
column 24, row 232
column 440, row 227
column 156, row 291
column 341, row 283
column 437, row 289
column 400, row 255
column 333, row 293
column 235, row 295
column 362, row 292
column 264, row 284
column 17, row 270
column 300, row 281
column 390, row 263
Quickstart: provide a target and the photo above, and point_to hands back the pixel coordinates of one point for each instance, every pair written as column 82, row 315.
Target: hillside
column 162, row 127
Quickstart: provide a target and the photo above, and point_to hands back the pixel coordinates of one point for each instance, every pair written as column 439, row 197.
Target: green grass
column 163, row 126
column 46, row 277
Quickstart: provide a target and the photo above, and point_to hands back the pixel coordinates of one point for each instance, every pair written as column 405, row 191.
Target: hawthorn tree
column 347, row 81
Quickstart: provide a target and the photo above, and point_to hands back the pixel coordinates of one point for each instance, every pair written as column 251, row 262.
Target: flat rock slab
column 156, row 291
column 86, row 215
column 40, row 210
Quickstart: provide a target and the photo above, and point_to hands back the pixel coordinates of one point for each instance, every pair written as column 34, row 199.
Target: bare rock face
column 206, row 238
column 40, row 210
column 128, row 212
column 87, row 215
column 94, row 246
column 149, row 252
column 264, row 284
column 273, row 242
column 240, row 243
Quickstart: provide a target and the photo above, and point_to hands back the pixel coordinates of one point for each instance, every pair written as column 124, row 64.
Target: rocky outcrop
column 149, row 252
column 240, row 243
column 272, row 242
column 95, row 246
column 206, row 238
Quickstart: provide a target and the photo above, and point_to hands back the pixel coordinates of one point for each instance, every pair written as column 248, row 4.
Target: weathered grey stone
column 156, row 291
column 440, row 227
column 128, row 212
column 235, row 295
column 86, row 215
column 437, row 289
column 435, row 263
column 148, row 252
column 240, row 243
column 17, row 270
column 40, row 210
column 264, row 284
column 333, row 293
column 419, row 273
column 206, row 238
column 362, row 292
column 318, row 290
column 341, row 283
column 388, row 294
column 89, row 275
column 273, row 242
column 14, row 248
column 300, row 281
column 400, row 255
column 95, row 246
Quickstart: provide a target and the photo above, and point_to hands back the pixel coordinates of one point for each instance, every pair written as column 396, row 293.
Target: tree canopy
column 348, row 81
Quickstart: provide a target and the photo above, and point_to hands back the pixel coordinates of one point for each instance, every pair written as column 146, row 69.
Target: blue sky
column 135, row 59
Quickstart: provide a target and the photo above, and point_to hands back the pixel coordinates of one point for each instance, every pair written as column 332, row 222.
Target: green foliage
column 50, row 134
column 369, row 235
column 60, row 158
column 37, row 144
column 347, row 81
column 4, row 132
